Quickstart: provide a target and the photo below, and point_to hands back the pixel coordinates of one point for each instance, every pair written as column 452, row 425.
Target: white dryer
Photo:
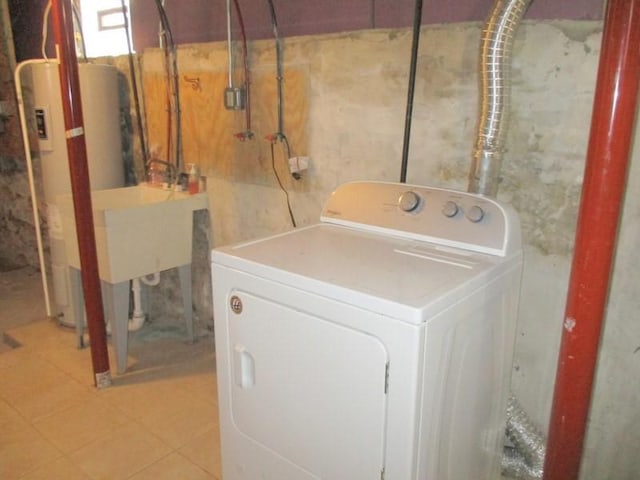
column 376, row 344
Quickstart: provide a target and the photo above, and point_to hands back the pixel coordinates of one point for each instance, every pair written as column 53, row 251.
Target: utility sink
column 139, row 230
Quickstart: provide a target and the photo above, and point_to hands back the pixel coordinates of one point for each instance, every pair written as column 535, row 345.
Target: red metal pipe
column 81, row 189
column 612, row 123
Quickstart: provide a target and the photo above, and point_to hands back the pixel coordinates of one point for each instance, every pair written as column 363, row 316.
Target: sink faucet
column 168, row 175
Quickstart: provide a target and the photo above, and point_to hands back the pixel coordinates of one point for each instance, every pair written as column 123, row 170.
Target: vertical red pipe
column 80, row 187
column 612, row 123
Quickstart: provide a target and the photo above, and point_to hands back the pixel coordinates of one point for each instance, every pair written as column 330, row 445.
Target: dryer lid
column 389, row 275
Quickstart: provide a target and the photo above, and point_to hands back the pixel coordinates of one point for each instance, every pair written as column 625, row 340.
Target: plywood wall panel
column 209, row 130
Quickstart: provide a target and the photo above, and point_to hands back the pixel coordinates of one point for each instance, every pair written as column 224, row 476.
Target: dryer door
column 308, row 389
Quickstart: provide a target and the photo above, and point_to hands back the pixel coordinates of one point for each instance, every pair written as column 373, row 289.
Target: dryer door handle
column 244, row 367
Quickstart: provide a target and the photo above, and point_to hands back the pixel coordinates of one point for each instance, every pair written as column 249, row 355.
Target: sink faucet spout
column 168, row 174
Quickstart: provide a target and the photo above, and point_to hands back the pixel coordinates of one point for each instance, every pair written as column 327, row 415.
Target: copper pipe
column 81, row 189
column 612, row 123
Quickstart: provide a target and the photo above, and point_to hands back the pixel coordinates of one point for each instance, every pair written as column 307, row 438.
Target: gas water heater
column 101, row 113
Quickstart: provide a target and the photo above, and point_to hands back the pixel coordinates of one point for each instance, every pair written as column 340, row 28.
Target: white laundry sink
column 139, row 230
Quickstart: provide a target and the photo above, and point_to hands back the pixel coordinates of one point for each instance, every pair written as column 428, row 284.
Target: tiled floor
column 158, row 421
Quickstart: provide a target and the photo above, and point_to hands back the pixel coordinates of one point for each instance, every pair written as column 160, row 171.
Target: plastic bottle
column 194, row 179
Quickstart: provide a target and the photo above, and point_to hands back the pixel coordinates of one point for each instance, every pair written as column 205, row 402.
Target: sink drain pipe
column 615, row 106
column 80, row 187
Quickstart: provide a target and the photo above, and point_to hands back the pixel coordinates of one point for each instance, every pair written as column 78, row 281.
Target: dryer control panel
column 445, row 217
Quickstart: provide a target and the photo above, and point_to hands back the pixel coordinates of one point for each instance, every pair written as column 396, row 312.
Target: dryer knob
column 475, row 214
column 450, row 209
column 409, row 201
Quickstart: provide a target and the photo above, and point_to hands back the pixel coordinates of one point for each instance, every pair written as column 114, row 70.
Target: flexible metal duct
column 495, row 68
column 515, row 466
column 525, row 459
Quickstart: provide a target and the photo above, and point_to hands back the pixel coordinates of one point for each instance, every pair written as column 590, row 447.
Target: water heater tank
column 101, row 113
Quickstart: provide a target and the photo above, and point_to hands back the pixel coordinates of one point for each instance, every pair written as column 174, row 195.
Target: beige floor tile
column 62, row 468
column 23, row 449
column 43, row 336
column 120, row 454
column 204, row 450
column 28, row 377
column 13, row 358
column 173, row 467
column 203, row 385
column 147, row 399
column 51, row 399
column 7, row 413
column 55, row 424
column 195, row 418
column 73, row 361
column 81, row 423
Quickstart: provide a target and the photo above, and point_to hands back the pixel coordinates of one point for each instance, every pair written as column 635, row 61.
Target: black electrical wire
column 417, row 21
column 134, row 87
column 286, row 194
column 173, row 74
column 279, row 135
column 170, row 52
column 286, row 143
column 279, row 74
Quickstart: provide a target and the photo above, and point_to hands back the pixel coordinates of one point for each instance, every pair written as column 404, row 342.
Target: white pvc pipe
column 27, row 153
column 137, row 318
column 153, row 281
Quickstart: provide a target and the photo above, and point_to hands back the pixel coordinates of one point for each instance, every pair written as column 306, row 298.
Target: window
column 103, row 26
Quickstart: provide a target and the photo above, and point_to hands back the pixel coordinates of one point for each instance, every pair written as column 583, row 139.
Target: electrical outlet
column 234, row 98
column 298, row 165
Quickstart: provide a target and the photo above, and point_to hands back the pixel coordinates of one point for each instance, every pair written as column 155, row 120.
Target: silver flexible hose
column 525, row 459
column 515, row 466
column 495, row 88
